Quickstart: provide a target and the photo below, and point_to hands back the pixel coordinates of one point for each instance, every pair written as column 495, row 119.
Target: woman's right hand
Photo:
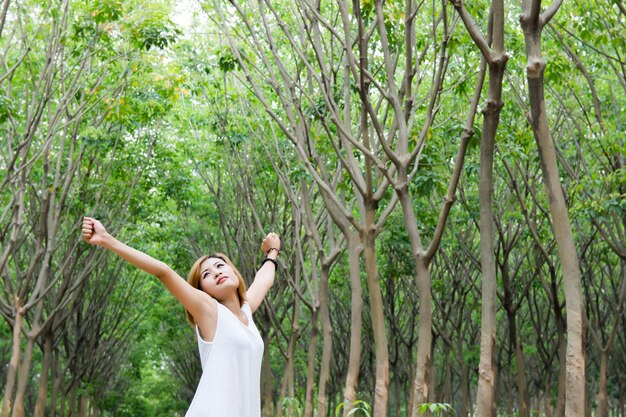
column 93, row 231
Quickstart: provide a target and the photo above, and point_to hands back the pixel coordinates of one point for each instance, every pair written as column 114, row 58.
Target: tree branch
column 473, row 30
column 549, row 13
column 459, row 163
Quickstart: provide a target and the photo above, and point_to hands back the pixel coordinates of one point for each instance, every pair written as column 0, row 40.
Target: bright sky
column 184, row 12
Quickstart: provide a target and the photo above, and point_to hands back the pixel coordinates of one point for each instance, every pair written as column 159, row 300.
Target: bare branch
column 458, row 165
column 474, row 30
column 549, row 13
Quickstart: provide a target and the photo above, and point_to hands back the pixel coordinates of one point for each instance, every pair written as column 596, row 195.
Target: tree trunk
column 287, row 385
column 3, row 14
column 56, row 385
column 485, row 397
column 63, row 400
column 421, row 383
column 327, row 342
column 381, row 390
column 447, row 382
column 397, row 393
column 521, row 370
column 603, row 400
column 83, row 406
column 356, row 323
column 547, row 399
column 42, row 394
column 465, row 391
column 492, row 49
column 266, row 378
column 575, row 355
column 562, row 345
column 71, row 402
column 622, row 393
column 14, row 361
column 308, row 403
column 24, row 373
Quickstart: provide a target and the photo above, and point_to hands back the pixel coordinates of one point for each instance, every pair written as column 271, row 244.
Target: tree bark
column 308, row 401
column 485, row 397
column 266, row 377
column 603, row 400
column 496, row 59
column 356, row 323
column 327, row 341
column 15, row 359
column 42, row 394
column 532, row 23
column 3, row 15
column 56, row 386
column 287, row 388
column 381, row 390
column 514, row 341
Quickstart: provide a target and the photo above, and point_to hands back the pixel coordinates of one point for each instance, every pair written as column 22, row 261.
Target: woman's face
column 217, row 278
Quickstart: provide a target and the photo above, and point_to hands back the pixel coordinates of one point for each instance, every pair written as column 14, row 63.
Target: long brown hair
column 193, row 278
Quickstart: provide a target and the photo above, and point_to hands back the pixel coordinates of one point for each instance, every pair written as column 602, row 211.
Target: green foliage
column 437, row 409
column 359, row 408
column 155, row 33
column 6, row 107
column 227, row 61
column 291, row 407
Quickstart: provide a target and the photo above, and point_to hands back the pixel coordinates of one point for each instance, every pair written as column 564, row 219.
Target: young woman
column 221, row 308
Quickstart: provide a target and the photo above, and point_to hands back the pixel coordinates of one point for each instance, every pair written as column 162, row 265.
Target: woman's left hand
column 271, row 241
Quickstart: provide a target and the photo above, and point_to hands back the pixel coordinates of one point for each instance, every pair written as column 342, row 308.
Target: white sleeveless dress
column 231, row 369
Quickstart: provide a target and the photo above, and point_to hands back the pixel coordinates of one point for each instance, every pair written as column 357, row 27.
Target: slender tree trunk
column 547, row 398
column 381, row 390
column 422, row 386
column 514, row 342
column 308, row 403
column 42, row 394
column 287, row 386
column 71, row 401
column 56, row 386
column 603, row 400
column 397, row 393
column 356, row 323
column 562, row 345
column 23, row 378
column 575, row 358
column 447, row 382
column 532, row 24
column 521, row 370
column 465, row 389
column 266, row 377
column 327, row 341
column 622, row 393
column 492, row 49
column 3, row 15
column 83, row 406
column 63, row 401
column 421, row 383
column 485, row 398
column 14, row 361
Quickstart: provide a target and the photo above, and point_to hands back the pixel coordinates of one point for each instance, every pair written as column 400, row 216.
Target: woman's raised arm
column 264, row 278
column 195, row 301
